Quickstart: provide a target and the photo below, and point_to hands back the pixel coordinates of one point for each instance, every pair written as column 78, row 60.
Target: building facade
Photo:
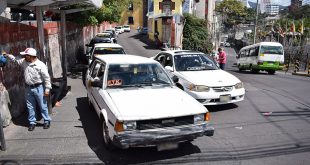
column 133, row 16
column 166, row 18
column 272, row 10
column 263, row 5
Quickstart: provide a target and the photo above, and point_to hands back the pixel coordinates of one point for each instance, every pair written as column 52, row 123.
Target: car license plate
column 225, row 98
column 167, row 146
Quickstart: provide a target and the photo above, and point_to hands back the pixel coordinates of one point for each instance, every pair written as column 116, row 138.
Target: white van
column 264, row 56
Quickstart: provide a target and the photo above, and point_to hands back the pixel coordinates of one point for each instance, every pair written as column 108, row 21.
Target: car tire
column 239, row 67
column 106, row 139
column 271, row 71
column 253, row 70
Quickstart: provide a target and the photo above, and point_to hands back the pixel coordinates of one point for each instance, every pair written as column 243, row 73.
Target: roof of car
column 108, row 45
column 125, row 59
column 178, row 52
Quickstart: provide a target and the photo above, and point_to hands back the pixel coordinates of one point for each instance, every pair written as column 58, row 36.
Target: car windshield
column 271, row 50
column 137, row 75
column 99, row 40
column 118, row 27
column 126, row 26
column 100, row 51
column 104, row 35
column 194, row 62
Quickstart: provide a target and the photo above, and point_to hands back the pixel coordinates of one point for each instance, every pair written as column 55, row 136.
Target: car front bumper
column 155, row 137
column 213, row 98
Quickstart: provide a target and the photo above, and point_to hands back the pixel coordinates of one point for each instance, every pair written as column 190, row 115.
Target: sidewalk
column 65, row 140
column 299, row 73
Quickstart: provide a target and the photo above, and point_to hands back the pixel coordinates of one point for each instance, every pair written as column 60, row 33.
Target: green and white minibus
column 264, row 56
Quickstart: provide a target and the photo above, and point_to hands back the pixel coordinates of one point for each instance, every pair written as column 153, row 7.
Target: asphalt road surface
column 271, row 126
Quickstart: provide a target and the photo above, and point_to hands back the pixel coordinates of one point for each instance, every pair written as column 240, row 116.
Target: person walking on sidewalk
column 38, row 85
column 221, row 58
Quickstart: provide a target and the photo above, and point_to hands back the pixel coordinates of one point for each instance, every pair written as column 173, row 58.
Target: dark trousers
column 222, row 66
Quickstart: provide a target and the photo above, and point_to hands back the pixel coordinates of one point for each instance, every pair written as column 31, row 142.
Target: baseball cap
column 29, row 51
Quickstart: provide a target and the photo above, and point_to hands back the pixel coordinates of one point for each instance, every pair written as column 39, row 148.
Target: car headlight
column 129, row 125
column 198, row 88
column 239, row 85
column 201, row 118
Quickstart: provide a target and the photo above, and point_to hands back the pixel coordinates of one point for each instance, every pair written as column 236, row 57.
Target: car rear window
column 100, row 51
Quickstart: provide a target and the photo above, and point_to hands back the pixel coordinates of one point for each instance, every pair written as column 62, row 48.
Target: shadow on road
column 144, row 38
column 92, row 128
column 224, row 107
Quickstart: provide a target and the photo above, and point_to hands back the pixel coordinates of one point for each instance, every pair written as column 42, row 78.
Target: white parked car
column 126, row 28
column 139, row 105
column 200, row 77
column 103, row 49
column 120, row 29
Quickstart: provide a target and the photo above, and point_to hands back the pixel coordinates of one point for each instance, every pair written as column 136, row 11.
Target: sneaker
column 31, row 127
column 47, row 125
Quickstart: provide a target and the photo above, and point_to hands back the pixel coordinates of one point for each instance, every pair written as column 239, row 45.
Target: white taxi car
column 140, row 106
column 103, row 49
column 201, row 78
column 126, row 28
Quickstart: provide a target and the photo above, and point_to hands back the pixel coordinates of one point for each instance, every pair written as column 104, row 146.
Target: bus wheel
column 253, row 70
column 239, row 67
column 271, row 71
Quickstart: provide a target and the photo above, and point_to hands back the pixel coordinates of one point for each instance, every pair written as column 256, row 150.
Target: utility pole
column 255, row 24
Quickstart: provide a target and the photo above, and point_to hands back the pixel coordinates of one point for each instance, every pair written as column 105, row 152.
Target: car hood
column 150, row 103
column 212, row 78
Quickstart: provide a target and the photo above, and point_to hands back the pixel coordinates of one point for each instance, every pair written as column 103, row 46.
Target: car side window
column 101, row 71
column 252, row 52
column 247, row 53
column 161, row 58
column 92, row 65
column 168, row 61
column 95, row 70
column 241, row 54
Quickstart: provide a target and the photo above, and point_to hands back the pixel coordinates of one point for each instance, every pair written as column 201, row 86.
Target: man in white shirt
column 37, row 83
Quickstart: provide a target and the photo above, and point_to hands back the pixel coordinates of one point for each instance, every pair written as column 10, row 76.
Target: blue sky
column 279, row 2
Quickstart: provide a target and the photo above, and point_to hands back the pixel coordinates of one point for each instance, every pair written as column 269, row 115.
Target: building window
column 130, row 20
column 130, row 7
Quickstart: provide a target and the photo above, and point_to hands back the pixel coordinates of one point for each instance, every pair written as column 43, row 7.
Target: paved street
column 271, row 126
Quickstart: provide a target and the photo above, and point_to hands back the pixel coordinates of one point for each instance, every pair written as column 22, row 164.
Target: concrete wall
column 15, row 37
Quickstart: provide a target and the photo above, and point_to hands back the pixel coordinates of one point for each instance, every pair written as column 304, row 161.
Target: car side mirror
column 96, row 83
column 175, row 79
column 169, row 68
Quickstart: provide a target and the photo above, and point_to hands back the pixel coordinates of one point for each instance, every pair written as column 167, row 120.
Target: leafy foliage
column 110, row 11
column 233, row 12
column 195, row 34
column 300, row 17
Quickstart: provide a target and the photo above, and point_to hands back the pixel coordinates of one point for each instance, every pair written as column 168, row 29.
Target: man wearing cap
column 38, row 85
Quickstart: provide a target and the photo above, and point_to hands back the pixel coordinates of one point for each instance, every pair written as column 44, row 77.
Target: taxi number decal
column 115, row 82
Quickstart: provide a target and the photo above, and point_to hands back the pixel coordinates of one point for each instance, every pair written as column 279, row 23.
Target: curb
column 301, row 74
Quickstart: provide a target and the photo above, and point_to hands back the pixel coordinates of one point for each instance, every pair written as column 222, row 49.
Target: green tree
column 232, row 12
column 195, row 34
column 110, row 11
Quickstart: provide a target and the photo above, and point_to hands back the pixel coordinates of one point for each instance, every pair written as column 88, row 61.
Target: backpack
column 3, row 60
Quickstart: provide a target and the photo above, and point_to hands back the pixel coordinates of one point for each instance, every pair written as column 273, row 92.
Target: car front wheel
column 106, row 138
